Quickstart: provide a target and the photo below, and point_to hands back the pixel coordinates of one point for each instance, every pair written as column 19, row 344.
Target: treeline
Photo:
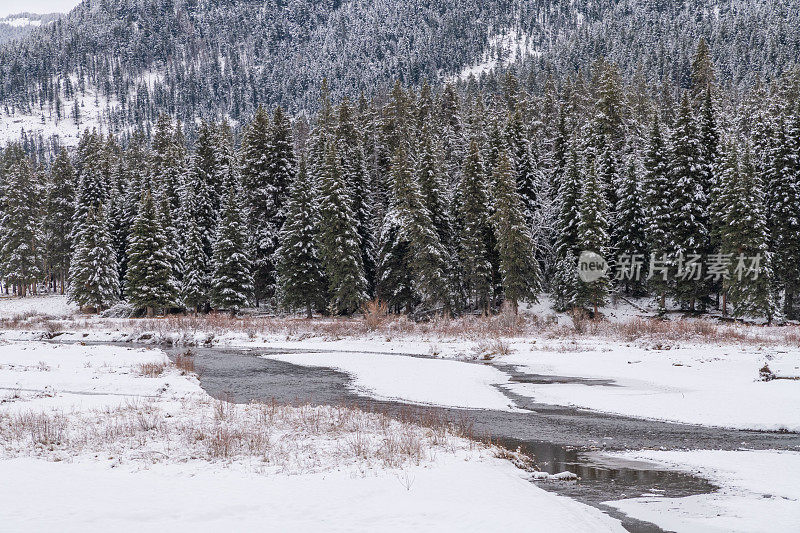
column 435, row 202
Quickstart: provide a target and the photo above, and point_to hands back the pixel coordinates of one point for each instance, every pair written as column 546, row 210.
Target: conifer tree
column 58, row 219
column 20, row 231
column 475, row 231
column 257, row 187
column 519, row 269
column 351, row 152
column 196, row 285
column 149, row 281
column 93, row 278
column 593, row 234
column 629, row 233
column 568, row 210
column 656, row 199
column 427, row 256
column 301, row 280
column 231, row 278
column 783, row 180
column 339, row 249
column 564, row 287
column 745, row 238
column 689, row 208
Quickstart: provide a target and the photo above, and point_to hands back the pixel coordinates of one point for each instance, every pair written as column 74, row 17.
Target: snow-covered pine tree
column 593, row 237
column 231, row 278
column 519, row 270
column 301, row 280
column 564, row 287
column 656, row 195
column 522, row 162
column 20, row 229
column 149, row 281
column 568, row 200
column 783, row 181
column 338, row 243
column 351, row 151
column 475, row 231
column 429, row 173
column 427, row 257
column 258, row 192
column 58, row 219
column 688, row 208
column 196, row 285
column 744, row 236
column 93, row 277
column 628, row 234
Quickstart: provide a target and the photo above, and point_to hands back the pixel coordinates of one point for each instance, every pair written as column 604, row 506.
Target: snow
column 71, row 376
column 20, row 22
column 420, row 380
column 504, row 49
column 113, row 473
column 47, row 305
column 759, row 491
column 697, row 384
column 489, row 496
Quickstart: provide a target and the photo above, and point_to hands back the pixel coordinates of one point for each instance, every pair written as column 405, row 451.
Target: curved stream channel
column 559, row 438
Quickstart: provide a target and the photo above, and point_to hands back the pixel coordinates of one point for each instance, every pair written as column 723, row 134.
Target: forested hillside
column 118, row 64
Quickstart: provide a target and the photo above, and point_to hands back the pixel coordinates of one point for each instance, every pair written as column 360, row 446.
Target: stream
column 559, row 438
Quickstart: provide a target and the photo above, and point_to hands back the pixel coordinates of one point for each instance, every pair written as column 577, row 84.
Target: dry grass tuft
column 151, row 370
column 184, row 362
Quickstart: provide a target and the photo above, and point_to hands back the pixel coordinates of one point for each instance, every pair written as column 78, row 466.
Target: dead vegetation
column 280, row 437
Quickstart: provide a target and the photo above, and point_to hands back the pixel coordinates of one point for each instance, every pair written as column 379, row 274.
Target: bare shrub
column 375, row 312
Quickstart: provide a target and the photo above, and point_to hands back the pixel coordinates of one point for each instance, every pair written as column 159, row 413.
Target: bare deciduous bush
column 375, row 312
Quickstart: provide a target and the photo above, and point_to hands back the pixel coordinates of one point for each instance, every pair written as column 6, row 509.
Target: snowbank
column 759, row 492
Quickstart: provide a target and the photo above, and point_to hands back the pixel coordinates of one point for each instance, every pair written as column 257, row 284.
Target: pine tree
column 745, row 238
column 518, row 266
column 257, row 187
column 427, row 257
column 629, row 233
column 593, row 235
column 656, row 202
column 474, row 238
column 58, row 219
column 93, row 278
column 20, row 231
column 783, row 181
column 564, row 287
column 689, row 208
column 149, row 281
column 231, row 279
column 196, row 285
column 568, row 200
column 301, row 280
column 338, row 239
column 351, row 151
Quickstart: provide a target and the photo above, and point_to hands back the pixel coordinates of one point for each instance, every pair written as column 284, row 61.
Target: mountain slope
column 121, row 62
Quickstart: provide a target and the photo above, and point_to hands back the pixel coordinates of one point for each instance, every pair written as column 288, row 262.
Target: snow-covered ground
column 440, row 382
column 759, row 491
column 95, row 438
column 698, row 384
column 712, row 382
column 44, row 305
